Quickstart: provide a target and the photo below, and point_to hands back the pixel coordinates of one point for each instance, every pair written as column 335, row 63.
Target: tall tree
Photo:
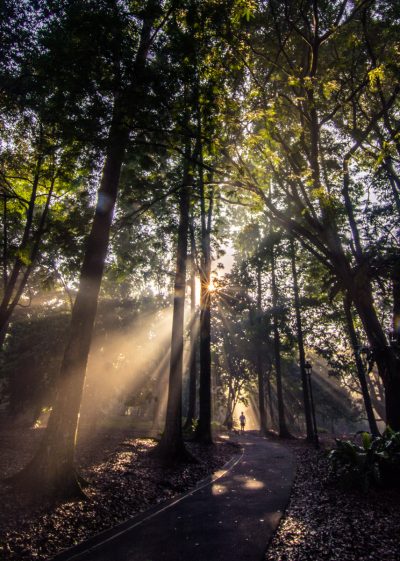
column 52, row 467
column 203, row 429
column 283, row 430
column 300, row 342
column 171, row 446
column 326, row 106
column 360, row 368
column 193, row 326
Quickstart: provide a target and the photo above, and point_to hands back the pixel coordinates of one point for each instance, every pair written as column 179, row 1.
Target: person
column 242, row 420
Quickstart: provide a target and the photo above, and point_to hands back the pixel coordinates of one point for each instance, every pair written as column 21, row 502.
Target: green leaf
column 366, row 440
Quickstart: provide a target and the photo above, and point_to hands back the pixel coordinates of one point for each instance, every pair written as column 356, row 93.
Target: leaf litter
column 327, row 522
column 124, row 480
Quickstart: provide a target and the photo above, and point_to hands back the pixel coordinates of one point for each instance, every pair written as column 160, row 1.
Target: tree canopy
column 243, row 154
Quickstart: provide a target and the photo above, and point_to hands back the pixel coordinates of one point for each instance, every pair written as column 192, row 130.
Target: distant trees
column 241, row 335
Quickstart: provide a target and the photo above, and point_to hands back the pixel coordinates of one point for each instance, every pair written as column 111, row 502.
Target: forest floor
column 326, row 522
column 124, row 480
column 323, row 521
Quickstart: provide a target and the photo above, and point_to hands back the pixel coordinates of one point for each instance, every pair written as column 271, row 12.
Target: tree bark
column 300, row 342
column 171, row 447
column 360, row 368
column 283, row 430
column 191, row 412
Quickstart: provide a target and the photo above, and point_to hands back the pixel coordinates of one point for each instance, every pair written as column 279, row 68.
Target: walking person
column 242, row 420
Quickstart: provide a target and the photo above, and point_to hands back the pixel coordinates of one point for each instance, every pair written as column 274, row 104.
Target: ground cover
column 125, row 480
column 325, row 521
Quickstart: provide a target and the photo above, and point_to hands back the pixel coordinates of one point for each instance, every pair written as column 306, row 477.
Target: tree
column 360, row 368
column 317, row 93
column 283, row 430
column 171, row 446
column 40, row 168
column 192, row 389
column 53, row 464
column 300, row 341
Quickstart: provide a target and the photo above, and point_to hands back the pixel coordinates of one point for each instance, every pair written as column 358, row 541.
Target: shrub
column 376, row 462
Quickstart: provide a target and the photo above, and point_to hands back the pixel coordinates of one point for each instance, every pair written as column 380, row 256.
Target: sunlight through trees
column 145, row 144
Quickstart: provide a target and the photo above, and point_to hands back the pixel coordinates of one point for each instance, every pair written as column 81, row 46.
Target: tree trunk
column 360, row 368
column 283, row 430
column 191, row 412
column 300, row 341
column 228, row 421
column 385, row 356
column 52, row 467
column 171, row 447
column 259, row 362
column 269, row 394
column 359, row 288
column 203, row 431
column 261, row 398
column 377, row 394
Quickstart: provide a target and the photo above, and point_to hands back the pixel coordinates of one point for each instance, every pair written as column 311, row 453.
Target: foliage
column 292, row 126
column 376, row 462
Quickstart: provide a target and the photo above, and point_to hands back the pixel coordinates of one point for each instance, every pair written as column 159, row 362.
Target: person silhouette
column 242, row 420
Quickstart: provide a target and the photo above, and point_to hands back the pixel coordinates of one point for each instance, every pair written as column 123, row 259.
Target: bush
column 376, row 462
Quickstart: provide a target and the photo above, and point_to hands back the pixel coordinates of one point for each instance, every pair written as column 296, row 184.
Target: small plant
column 376, row 462
column 190, row 431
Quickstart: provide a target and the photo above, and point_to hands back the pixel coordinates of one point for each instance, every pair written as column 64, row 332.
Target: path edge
column 283, row 512
column 97, row 540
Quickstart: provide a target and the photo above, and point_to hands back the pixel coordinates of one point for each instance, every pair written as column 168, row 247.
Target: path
column 229, row 519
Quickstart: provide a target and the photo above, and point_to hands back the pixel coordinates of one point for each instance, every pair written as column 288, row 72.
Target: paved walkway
column 229, row 518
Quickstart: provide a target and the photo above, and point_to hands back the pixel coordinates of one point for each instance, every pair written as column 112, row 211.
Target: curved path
column 231, row 516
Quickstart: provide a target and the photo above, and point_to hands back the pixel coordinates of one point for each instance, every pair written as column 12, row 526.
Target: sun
column 212, row 286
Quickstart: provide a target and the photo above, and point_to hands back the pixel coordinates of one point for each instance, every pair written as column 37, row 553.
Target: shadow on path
column 230, row 518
